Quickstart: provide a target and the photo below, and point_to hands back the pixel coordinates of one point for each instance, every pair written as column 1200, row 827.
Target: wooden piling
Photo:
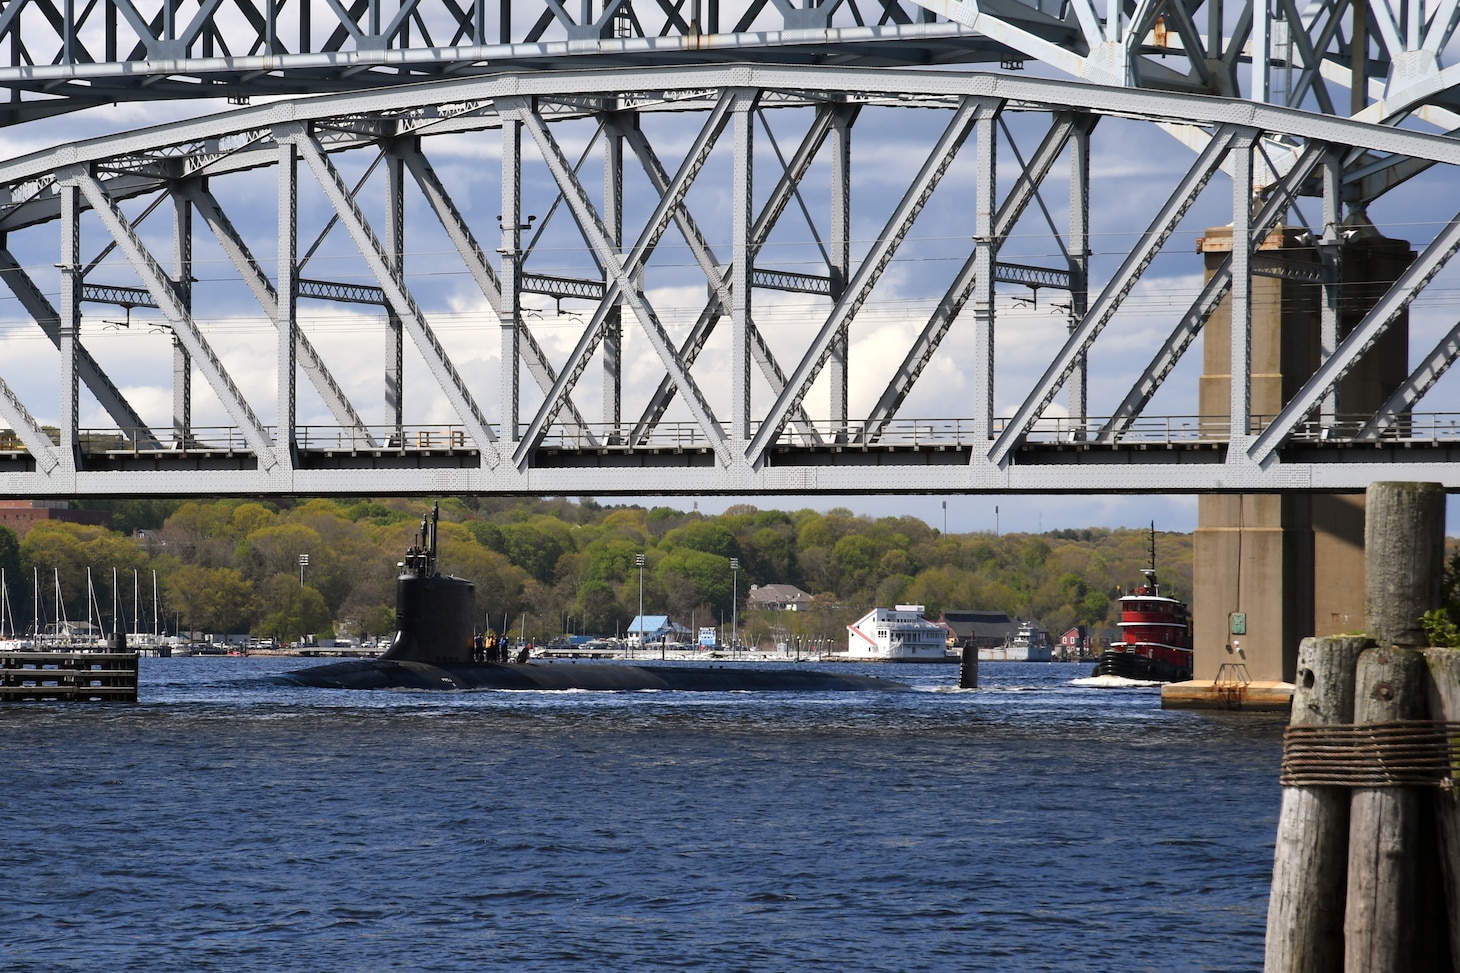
column 1390, row 924
column 1310, row 863
column 1444, row 704
column 1383, row 824
column 1404, row 555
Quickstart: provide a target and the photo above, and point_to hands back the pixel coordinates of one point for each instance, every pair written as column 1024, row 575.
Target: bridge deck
column 1064, row 452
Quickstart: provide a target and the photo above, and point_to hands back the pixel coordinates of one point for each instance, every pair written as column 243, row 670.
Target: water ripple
column 230, row 823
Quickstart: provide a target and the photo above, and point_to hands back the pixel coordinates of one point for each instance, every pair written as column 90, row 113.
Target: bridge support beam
column 1272, row 569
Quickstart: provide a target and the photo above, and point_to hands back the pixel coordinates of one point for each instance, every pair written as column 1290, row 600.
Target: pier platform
column 1228, row 694
column 68, row 676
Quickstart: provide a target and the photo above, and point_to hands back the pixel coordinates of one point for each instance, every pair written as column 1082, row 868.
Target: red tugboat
column 1155, row 634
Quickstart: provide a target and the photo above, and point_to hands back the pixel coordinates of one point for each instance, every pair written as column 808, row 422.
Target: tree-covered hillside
column 554, row 565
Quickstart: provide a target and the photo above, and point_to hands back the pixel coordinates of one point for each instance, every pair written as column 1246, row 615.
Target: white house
column 898, row 634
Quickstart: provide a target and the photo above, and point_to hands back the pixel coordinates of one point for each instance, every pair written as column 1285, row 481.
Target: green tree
column 707, row 536
column 688, row 577
column 770, row 554
column 598, row 607
column 378, row 621
column 1094, row 609
column 500, row 584
column 294, row 611
column 219, row 600
column 248, row 518
column 856, row 557
column 275, row 549
column 9, row 554
column 534, row 547
column 65, row 555
column 488, row 535
column 610, row 560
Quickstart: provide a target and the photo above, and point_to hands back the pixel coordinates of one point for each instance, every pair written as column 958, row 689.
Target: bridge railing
column 1436, row 427
column 430, row 437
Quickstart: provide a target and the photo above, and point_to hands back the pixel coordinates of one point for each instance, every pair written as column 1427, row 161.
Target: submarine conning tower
column 433, row 612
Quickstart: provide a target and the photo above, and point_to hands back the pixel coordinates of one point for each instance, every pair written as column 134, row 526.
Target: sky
column 1131, row 167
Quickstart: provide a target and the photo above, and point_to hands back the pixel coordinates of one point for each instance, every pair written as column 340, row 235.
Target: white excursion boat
column 898, row 634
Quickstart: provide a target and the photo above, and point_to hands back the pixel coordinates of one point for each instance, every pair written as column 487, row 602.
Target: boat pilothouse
column 1155, row 633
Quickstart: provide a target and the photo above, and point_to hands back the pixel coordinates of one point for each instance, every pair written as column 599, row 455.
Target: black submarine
column 435, row 647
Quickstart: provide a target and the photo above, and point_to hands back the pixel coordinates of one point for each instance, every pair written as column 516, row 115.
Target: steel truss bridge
column 687, row 247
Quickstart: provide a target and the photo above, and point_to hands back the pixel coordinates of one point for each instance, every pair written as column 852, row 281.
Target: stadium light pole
column 639, row 560
column 734, row 599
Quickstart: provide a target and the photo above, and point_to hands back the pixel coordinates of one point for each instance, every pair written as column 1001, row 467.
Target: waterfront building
column 21, row 515
column 980, row 629
column 657, row 628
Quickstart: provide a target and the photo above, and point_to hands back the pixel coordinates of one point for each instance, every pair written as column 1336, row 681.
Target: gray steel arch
column 761, row 384
column 1384, row 60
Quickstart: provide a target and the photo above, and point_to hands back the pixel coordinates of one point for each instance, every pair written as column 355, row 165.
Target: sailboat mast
column 93, row 605
column 155, row 630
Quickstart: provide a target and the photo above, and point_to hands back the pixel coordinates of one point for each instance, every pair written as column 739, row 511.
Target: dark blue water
column 228, row 824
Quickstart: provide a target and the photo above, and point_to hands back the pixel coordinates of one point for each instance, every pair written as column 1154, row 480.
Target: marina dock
column 68, row 676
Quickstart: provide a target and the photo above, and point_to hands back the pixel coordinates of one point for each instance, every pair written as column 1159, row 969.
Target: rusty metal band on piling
column 1402, row 753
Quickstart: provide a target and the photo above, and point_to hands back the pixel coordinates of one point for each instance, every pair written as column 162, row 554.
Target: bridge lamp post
column 639, row 560
column 303, row 563
column 734, row 600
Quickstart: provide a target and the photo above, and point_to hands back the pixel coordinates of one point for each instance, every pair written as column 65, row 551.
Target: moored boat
column 1030, row 644
column 898, row 634
column 1155, row 633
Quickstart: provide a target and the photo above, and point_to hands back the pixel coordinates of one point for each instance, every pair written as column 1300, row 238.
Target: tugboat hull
column 1128, row 665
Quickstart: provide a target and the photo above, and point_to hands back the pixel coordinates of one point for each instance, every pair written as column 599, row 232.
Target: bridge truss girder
column 1383, row 60
column 736, row 179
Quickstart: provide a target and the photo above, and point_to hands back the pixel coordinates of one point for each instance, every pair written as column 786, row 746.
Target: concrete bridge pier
column 1272, row 569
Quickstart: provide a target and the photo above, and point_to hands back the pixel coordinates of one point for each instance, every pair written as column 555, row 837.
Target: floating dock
column 68, row 676
column 1226, row 694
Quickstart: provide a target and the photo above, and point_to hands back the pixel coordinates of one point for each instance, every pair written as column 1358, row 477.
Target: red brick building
column 21, row 515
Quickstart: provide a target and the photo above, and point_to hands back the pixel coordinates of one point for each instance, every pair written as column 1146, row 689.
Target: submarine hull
column 435, row 647
column 598, row 677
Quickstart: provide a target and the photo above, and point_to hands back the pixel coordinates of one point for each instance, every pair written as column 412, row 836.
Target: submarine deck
column 562, row 676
